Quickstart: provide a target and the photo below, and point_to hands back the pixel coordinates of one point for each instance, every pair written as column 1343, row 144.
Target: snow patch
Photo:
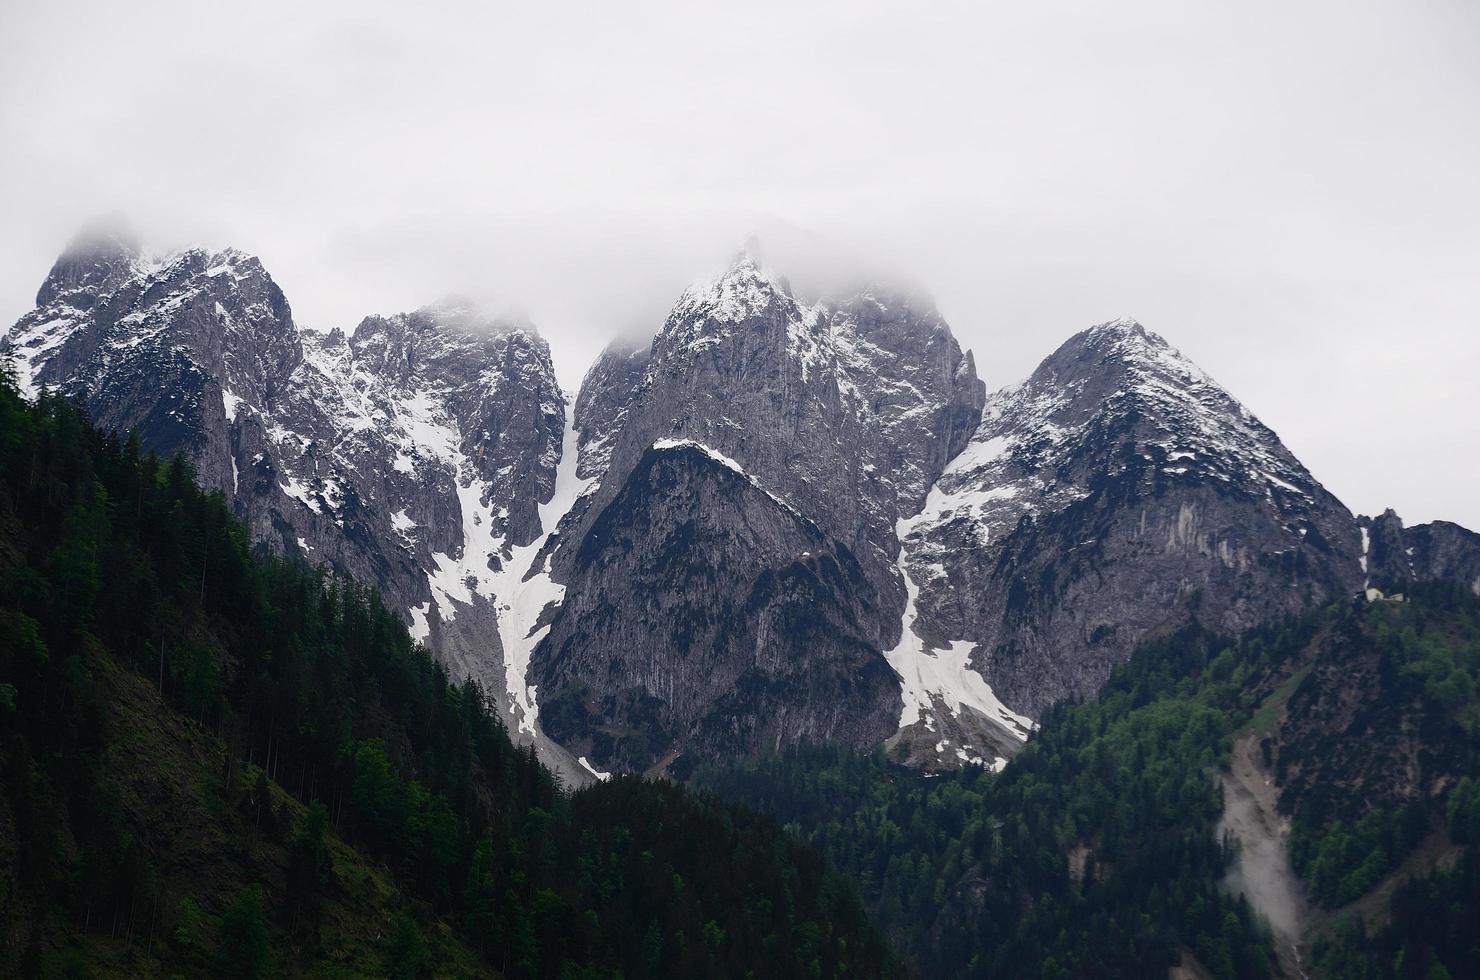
column 231, row 403
column 524, row 591
column 927, row 674
column 603, row 776
column 978, row 454
column 727, row 462
column 302, row 493
column 420, row 628
column 31, row 348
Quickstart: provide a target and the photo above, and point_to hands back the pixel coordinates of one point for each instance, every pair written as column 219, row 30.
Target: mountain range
column 778, row 520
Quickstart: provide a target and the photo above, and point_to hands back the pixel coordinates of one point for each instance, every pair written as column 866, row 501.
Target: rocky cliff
column 414, row 453
column 774, row 520
column 834, row 418
column 1118, row 492
column 1394, row 556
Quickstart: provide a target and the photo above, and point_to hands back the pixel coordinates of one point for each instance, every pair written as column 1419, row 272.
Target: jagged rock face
column 776, row 520
column 605, row 398
column 845, row 412
column 153, row 344
column 413, row 454
column 707, row 616
column 850, row 410
column 1117, row 492
column 916, row 382
column 1396, row 555
column 441, row 432
column 1443, row 550
column 91, row 268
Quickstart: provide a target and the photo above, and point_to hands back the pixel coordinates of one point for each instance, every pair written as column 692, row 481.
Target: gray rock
column 844, row 412
column 773, row 521
column 413, row 454
column 1115, row 494
column 708, row 617
column 1398, row 556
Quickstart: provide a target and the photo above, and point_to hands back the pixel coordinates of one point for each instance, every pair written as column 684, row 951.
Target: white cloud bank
column 1287, row 192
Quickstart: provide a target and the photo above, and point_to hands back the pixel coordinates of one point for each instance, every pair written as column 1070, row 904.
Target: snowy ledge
column 730, row 464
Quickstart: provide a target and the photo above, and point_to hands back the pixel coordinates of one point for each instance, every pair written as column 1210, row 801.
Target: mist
column 1287, row 195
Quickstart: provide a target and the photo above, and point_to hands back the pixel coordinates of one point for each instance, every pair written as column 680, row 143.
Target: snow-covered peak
column 107, row 304
column 1117, row 369
column 1127, row 341
column 95, row 261
column 1120, row 329
column 747, row 312
column 1113, row 397
column 743, row 291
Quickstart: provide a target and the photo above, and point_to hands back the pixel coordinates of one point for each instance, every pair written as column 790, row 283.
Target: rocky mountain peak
column 844, row 411
column 746, row 290
column 771, row 519
column 1117, row 379
column 878, row 302
column 1121, row 330
column 455, row 339
column 1117, row 346
column 463, row 314
column 94, row 262
column 1394, row 555
column 1117, row 491
column 107, row 312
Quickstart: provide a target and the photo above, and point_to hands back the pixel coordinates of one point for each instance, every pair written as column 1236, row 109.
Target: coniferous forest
column 221, row 763
column 1096, row 853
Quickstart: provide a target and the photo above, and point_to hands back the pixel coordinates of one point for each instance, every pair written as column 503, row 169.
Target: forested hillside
column 1378, row 758
column 1095, row 852
column 222, row 763
column 217, row 762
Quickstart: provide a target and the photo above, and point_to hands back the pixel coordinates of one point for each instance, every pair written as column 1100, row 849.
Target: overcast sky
column 1290, row 193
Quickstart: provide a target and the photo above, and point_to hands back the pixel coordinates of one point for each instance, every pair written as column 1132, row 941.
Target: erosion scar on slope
column 1262, row 871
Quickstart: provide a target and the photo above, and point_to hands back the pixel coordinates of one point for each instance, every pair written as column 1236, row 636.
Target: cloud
column 1286, row 193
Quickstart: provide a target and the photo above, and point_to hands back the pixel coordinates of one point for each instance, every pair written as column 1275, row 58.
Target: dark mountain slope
column 1396, row 556
column 709, row 617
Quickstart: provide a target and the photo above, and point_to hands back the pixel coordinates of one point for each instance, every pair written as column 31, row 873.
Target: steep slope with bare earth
column 1340, row 788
